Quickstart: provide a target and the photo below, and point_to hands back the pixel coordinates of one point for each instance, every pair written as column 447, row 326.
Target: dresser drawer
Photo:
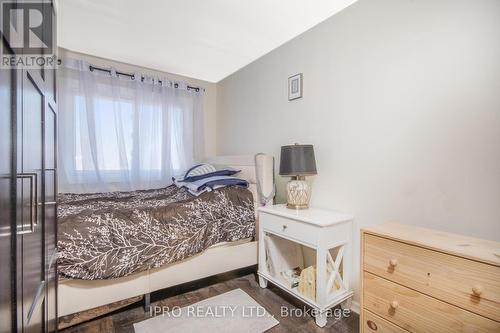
column 463, row 282
column 297, row 231
column 374, row 324
column 417, row 312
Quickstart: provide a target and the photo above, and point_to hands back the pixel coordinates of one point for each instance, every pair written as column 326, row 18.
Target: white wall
column 209, row 98
column 402, row 103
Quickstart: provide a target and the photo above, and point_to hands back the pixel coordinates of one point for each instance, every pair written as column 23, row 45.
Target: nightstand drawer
column 417, row 312
column 469, row 284
column 297, row 231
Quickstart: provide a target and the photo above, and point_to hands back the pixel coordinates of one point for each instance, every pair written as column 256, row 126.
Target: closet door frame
column 9, row 233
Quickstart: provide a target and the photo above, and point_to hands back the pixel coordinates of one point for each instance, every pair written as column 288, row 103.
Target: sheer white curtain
column 116, row 133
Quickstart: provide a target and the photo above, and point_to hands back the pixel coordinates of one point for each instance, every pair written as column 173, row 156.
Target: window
column 122, row 134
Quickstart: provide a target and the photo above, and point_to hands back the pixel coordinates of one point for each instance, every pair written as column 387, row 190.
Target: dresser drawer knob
column 393, row 262
column 284, row 227
column 372, row 325
column 477, row 290
column 394, row 305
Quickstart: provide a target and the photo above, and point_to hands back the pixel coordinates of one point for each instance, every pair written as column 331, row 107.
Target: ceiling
column 203, row 39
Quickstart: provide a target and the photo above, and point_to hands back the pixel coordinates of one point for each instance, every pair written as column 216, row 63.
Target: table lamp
column 297, row 161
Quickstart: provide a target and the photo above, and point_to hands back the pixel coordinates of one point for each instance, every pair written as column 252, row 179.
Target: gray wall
column 402, row 102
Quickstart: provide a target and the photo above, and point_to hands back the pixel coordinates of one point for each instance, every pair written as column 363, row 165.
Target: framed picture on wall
column 295, row 87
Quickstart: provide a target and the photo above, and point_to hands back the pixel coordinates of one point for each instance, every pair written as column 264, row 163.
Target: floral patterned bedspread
column 109, row 235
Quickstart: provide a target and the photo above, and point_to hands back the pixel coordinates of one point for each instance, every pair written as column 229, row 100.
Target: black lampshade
column 297, row 160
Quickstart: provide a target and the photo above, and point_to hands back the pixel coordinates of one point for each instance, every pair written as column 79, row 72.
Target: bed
column 80, row 294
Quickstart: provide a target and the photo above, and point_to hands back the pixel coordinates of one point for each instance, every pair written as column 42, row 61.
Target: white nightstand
column 326, row 232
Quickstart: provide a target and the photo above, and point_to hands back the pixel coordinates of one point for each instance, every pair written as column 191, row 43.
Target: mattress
column 227, row 244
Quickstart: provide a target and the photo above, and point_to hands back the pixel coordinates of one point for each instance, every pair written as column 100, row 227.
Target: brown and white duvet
column 109, row 235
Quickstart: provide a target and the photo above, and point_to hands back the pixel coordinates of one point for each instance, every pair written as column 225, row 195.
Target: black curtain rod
column 132, row 76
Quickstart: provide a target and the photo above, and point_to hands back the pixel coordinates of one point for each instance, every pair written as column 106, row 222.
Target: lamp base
column 293, row 206
column 298, row 193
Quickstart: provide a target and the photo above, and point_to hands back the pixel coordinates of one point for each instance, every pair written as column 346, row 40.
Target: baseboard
column 355, row 307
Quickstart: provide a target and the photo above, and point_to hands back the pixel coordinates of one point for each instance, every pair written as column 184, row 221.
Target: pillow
column 210, row 183
column 204, row 170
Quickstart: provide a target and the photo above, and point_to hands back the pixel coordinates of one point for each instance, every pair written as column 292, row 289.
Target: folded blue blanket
column 200, row 186
column 201, row 171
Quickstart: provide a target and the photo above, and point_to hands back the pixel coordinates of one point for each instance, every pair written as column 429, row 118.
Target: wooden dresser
column 422, row 280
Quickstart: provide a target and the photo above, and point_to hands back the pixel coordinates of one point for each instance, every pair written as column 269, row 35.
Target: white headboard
column 249, row 171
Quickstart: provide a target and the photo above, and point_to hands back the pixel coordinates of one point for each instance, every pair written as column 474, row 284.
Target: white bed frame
column 79, row 295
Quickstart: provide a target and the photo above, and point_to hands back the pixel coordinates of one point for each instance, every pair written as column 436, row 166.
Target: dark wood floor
column 270, row 298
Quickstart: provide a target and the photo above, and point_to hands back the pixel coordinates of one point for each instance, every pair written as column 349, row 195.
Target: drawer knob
column 372, row 325
column 284, row 227
column 394, row 305
column 477, row 290
column 393, row 262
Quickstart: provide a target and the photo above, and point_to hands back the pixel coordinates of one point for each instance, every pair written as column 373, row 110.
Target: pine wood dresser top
column 467, row 247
